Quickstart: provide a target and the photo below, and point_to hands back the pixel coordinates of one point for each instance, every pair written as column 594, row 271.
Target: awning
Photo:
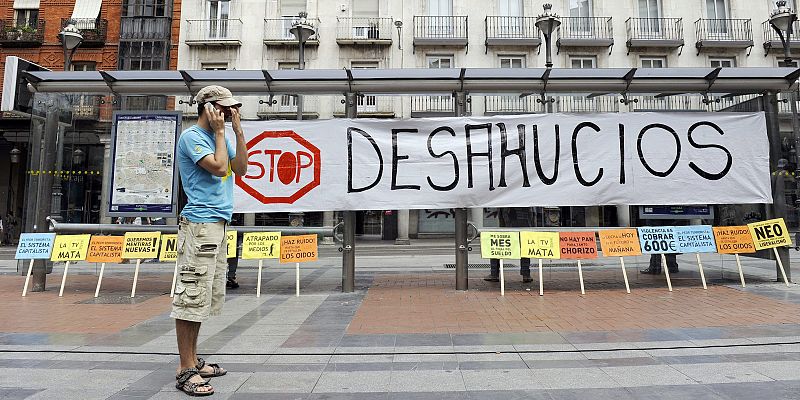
column 26, row 4
column 86, row 10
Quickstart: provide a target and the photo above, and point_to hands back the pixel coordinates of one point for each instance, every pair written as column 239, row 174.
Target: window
column 27, row 17
column 580, row 8
column 440, row 61
column 213, row 66
column 512, row 62
column 722, row 62
column 440, row 7
column 717, row 13
column 143, row 55
column 510, row 8
column 583, row 62
column 650, row 11
column 83, row 66
column 290, row 8
column 654, row 62
column 147, row 8
column 218, row 14
column 440, row 102
column 365, row 8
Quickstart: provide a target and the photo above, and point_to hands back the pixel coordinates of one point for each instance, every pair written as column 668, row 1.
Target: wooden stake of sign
column 780, row 264
column 27, row 279
column 297, row 279
column 502, row 280
column 135, row 277
column 625, row 275
column 739, row 264
column 258, row 287
column 666, row 270
column 99, row 279
column 580, row 276
column 702, row 275
column 541, row 284
column 174, row 280
column 63, row 279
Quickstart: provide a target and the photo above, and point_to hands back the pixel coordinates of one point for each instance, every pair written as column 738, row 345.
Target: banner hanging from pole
column 505, row 161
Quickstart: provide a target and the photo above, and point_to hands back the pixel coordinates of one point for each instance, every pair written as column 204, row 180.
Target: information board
column 144, row 178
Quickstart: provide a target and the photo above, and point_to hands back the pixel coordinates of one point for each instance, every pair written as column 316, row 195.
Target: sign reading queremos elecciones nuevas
column 505, row 161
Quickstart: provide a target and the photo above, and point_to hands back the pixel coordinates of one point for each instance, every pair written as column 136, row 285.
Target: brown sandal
column 217, row 370
column 189, row 387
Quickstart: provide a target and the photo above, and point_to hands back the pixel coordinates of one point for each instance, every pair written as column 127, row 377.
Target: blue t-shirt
column 210, row 197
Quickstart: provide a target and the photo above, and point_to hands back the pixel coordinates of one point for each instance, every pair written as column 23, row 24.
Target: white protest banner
column 505, row 161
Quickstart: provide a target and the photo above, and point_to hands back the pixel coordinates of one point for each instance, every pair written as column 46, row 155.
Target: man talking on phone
column 207, row 161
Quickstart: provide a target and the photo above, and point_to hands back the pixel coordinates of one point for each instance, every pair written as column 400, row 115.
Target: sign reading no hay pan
column 598, row 159
column 577, row 245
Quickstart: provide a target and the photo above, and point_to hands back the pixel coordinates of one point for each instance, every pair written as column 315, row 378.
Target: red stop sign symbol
column 281, row 167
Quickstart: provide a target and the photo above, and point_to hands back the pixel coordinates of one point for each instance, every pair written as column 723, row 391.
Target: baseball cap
column 216, row 94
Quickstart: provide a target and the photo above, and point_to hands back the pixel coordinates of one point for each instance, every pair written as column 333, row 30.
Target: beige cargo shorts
column 202, row 265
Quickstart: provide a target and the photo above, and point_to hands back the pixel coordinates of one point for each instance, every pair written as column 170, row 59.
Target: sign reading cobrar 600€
column 505, row 161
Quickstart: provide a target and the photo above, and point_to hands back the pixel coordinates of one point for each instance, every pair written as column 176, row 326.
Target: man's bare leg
column 186, row 332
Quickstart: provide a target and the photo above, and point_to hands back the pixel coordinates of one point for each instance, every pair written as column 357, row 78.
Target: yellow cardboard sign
column 540, row 244
column 258, row 245
column 500, row 245
column 70, row 247
column 301, row 248
column 733, row 240
column 231, row 243
column 105, row 249
column 769, row 234
column 169, row 248
column 141, row 245
column 620, row 242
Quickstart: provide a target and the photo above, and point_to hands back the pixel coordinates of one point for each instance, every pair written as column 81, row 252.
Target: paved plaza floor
column 406, row 333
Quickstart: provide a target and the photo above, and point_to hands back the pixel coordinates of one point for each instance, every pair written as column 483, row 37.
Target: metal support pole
column 301, row 65
column 349, row 237
column 778, row 207
column 46, row 189
column 462, row 253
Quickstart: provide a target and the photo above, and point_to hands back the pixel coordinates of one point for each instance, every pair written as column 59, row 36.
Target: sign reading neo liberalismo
column 505, row 161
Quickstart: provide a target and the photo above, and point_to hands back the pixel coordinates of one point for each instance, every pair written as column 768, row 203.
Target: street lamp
column 547, row 24
column 302, row 30
column 70, row 38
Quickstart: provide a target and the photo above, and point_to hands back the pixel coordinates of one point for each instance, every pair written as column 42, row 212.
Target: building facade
column 117, row 34
column 253, row 34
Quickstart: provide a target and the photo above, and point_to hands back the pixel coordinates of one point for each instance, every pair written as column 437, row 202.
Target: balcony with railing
column 367, row 106
column 723, row 33
column 584, row 104
column 277, row 31
column 145, row 28
column 373, row 31
column 512, row 31
column 285, row 107
column 667, row 103
column 440, row 31
column 585, row 32
column 435, row 106
column 773, row 42
column 214, row 32
column 511, row 104
column 654, row 32
column 13, row 35
column 92, row 30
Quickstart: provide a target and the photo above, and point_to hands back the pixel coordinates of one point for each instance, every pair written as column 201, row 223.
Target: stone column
column 328, row 219
column 403, row 218
column 624, row 215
